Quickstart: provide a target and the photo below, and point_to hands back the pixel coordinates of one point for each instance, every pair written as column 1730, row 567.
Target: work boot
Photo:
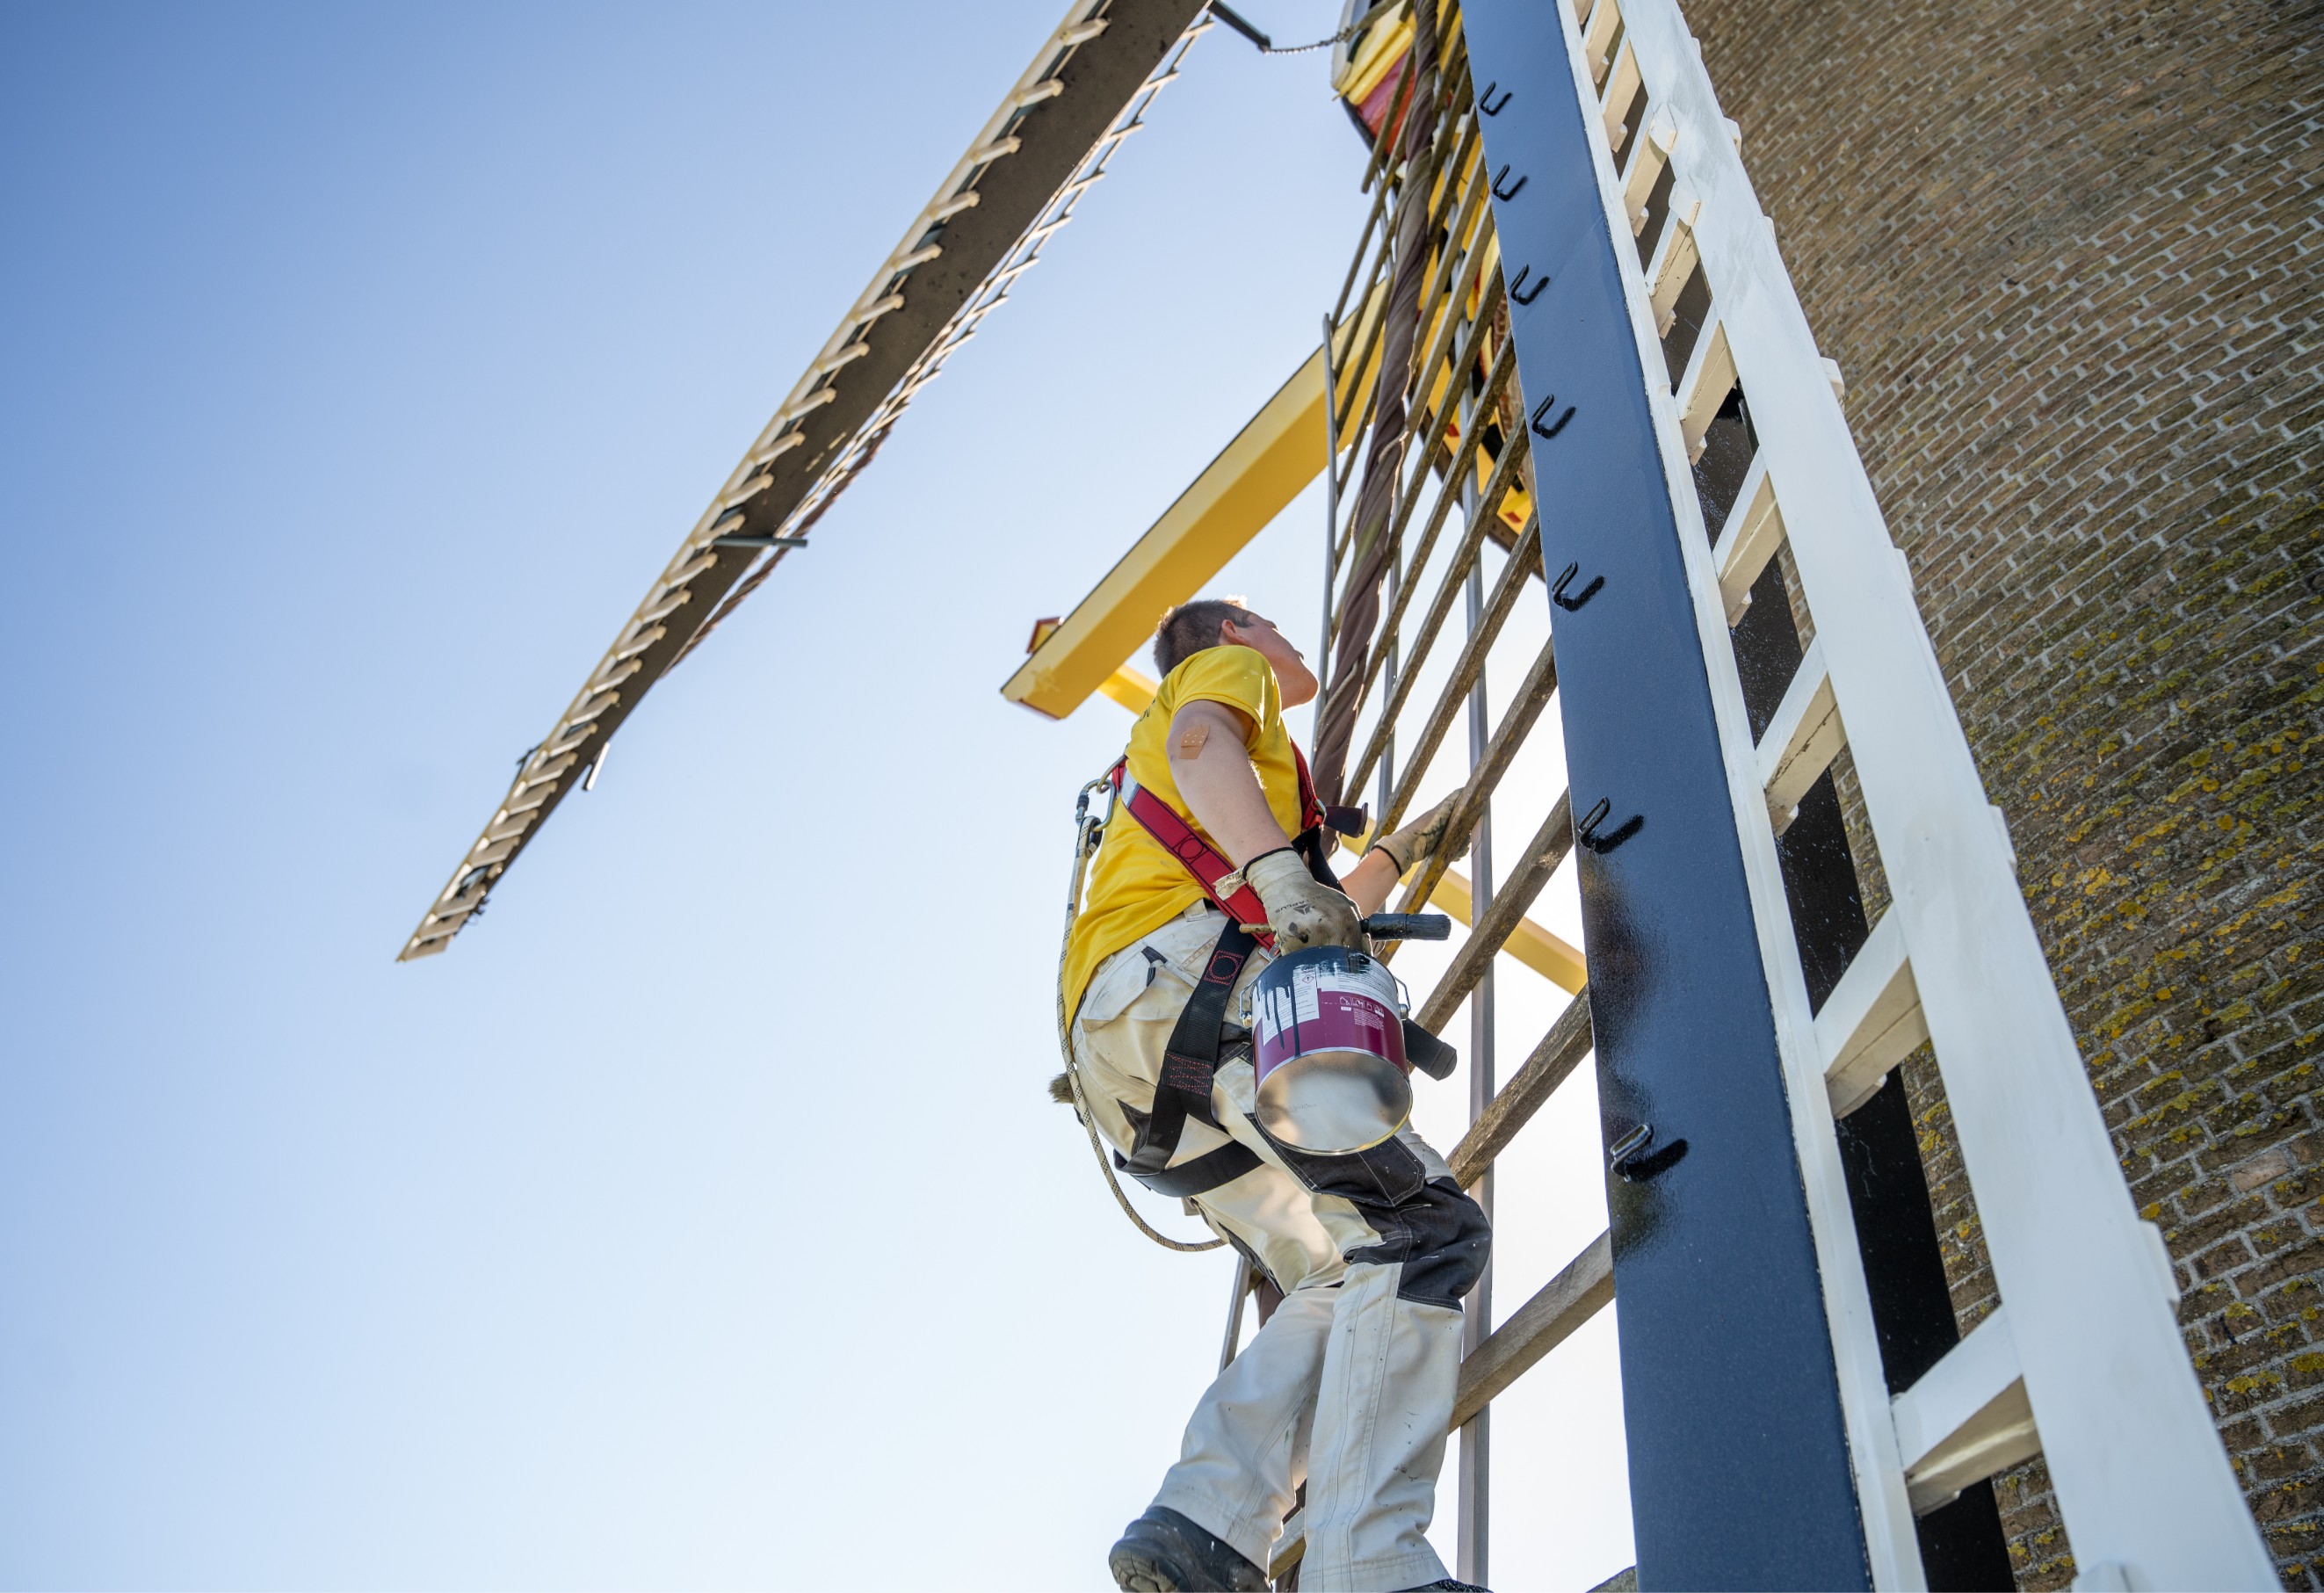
column 1162, row 1552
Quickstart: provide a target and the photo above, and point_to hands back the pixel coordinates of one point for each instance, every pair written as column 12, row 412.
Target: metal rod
column 1330, row 519
column 1408, row 496
column 1435, row 296
column 1440, row 607
column 1433, row 728
column 1526, row 706
column 1388, row 736
column 1475, row 1537
column 1234, row 1311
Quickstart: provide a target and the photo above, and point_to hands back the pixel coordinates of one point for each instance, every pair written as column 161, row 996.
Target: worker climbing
column 1213, row 869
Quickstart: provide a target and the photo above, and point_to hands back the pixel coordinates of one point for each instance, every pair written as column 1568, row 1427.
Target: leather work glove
column 1421, row 839
column 1301, row 909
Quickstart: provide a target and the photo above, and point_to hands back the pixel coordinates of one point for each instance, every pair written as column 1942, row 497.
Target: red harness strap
column 1197, row 856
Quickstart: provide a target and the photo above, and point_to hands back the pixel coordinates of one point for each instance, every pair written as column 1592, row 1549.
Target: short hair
column 1191, row 627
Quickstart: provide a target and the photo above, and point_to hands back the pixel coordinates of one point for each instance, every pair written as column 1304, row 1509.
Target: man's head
column 1215, row 622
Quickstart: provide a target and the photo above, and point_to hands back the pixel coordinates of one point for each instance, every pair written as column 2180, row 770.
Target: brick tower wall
column 2068, row 258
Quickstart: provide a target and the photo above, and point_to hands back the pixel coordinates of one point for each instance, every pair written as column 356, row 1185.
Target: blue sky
column 699, row 1220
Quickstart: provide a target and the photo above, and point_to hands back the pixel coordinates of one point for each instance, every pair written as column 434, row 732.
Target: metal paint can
column 1327, row 1044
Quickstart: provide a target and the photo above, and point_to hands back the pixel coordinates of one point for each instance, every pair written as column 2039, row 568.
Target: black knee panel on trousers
column 1434, row 1230
column 1442, row 1239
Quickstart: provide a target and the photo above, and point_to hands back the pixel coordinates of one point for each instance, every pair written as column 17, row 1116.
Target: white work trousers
column 1349, row 1384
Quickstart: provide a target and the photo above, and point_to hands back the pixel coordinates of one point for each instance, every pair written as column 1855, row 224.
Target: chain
column 1267, row 46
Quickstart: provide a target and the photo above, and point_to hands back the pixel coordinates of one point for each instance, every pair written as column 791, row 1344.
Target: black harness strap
column 1189, row 1062
column 1205, row 1172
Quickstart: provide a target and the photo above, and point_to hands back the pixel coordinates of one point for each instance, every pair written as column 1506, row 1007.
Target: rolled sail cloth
column 1383, row 460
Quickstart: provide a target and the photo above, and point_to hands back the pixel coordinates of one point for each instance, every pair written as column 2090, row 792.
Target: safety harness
column 1191, row 1059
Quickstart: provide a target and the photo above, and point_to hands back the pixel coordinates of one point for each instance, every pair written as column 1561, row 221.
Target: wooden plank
column 1533, row 697
column 1536, row 864
column 1802, row 739
column 1546, row 953
column 1553, row 1061
column 1271, row 462
column 1584, row 1289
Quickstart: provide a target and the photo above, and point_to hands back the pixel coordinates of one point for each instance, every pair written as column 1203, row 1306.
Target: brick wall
column 2068, row 257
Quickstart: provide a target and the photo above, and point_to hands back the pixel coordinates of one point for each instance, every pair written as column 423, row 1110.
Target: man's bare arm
column 1210, row 759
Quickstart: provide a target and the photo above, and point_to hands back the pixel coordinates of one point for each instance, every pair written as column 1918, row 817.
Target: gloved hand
column 1301, row 909
column 1421, row 839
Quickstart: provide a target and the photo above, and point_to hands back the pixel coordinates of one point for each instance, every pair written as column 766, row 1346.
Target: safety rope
column 1087, row 831
column 1267, row 46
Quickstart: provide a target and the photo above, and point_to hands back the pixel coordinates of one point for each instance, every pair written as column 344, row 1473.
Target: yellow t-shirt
column 1135, row 887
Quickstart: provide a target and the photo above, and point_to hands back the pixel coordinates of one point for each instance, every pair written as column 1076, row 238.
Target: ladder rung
column 1966, row 1419
column 1802, row 739
column 1710, row 377
column 1753, row 531
column 1513, row 1105
column 1674, row 255
column 1872, row 1020
column 1614, row 98
column 1289, row 1547
column 1580, row 1292
column 1661, row 135
column 1584, row 1289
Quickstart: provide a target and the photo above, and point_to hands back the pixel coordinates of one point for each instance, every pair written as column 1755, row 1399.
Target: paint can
column 1327, row 1044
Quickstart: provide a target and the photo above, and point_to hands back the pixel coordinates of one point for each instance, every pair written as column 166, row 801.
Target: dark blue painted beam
column 1738, row 1462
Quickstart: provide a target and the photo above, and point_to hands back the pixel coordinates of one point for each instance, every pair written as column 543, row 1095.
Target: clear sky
column 700, row 1220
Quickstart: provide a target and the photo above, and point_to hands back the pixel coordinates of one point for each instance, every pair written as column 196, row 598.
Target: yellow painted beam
column 1556, row 959
column 1270, row 461
column 1548, row 955
column 1126, row 686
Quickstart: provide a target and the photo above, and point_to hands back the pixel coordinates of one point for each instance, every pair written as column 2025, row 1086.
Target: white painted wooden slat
column 1709, row 378
column 1753, row 531
column 1597, row 36
column 1872, row 1019
column 1966, row 1418
column 2141, row 1476
column 1660, row 134
column 1614, row 99
column 515, row 824
column 1802, row 739
column 640, row 640
column 1669, row 65
column 1675, row 257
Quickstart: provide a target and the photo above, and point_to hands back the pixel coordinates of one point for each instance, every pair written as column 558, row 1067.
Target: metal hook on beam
column 1586, row 832
column 1572, row 604
column 1555, row 427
